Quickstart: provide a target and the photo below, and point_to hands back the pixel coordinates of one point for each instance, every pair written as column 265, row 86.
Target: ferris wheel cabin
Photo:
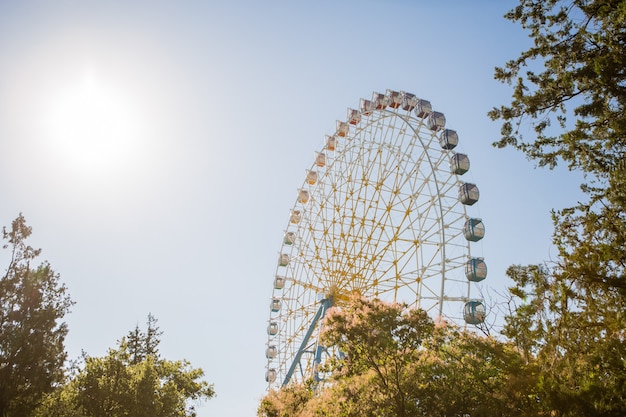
column 476, row 270
column 275, row 305
column 423, row 108
column 331, row 142
column 271, row 352
column 448, row 139
column 354, row 116
column 270, row 375
column 311, row 177
column 474, row 229
column 279, row 282
column 474, row 312
column 272, row 329
column 468, row 194
column 290, row 238
column 459, row 164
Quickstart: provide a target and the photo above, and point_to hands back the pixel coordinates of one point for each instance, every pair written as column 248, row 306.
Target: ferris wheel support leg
column 317, row 361
column 324, row 306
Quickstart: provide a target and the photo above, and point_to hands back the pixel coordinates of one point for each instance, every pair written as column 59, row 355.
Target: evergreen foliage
column 568, row 317
column 130, row 381
column 32, row 304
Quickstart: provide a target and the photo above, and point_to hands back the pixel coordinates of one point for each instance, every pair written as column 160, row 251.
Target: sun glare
column 92, row 127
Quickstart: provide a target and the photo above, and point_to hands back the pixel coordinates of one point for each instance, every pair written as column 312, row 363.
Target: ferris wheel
column 382, row 212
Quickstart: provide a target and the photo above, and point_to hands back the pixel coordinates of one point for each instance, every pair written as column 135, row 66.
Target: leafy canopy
column 576, row 68
column 397, row 362
column 568, row 317
column 131, row 380
column 32, row 304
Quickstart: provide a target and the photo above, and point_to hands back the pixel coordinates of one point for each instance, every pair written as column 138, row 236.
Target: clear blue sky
column 156, row 147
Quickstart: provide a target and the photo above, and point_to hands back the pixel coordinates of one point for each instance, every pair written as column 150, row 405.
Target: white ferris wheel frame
column 379, row 213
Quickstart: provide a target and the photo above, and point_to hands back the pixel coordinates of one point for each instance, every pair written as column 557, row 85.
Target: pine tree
column 32, row 304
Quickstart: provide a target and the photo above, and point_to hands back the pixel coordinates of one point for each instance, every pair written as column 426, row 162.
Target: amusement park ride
column 382, row 212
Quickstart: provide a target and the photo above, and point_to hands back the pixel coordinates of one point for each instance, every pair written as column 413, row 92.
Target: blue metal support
column 317, row 361
column 326, row 303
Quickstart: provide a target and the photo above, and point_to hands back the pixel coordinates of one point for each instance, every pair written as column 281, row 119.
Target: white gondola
column 474, row 230
column 271, row 352
column 380, row 101
column 423, row 108
column 354, row 117
column 272, row 329
column 459, row 163
column 275, row 305
column 303, row 196
column 296, row 216
column 279, row 282
column 320, row 159
column 468, row 194
column 311, row 177
column 342, row 128
column 366, row 107
column 409, row 101
column 448, row 139
column 290, row 238
column 436, row 121
column 283, row 259
column 395, row 98
column 474, row 312
column 270, row 375
column 476, row 270
column 331, row 142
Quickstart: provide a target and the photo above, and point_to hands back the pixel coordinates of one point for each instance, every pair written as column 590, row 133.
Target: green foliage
column 131, row 380
column 397, row 362
column 32, row 303
column 569, row 318
column 577, row 345
column 289, row 401
column 380, row 341
column 579, row 47
column 141, row 345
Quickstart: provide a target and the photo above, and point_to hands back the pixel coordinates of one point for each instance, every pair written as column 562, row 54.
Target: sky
column 156, row 148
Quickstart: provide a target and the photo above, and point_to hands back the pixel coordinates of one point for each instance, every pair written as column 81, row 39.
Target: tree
column 581, row 45
column 578, row 350
column 381, row 341
column 141, row 345
column 568, row 316
column 32, row 305
column 131, row 380
column 397, row 362
column 402, row 364
column 289, row 401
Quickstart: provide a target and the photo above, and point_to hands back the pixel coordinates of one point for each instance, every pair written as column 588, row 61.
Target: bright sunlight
column 92, row 127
